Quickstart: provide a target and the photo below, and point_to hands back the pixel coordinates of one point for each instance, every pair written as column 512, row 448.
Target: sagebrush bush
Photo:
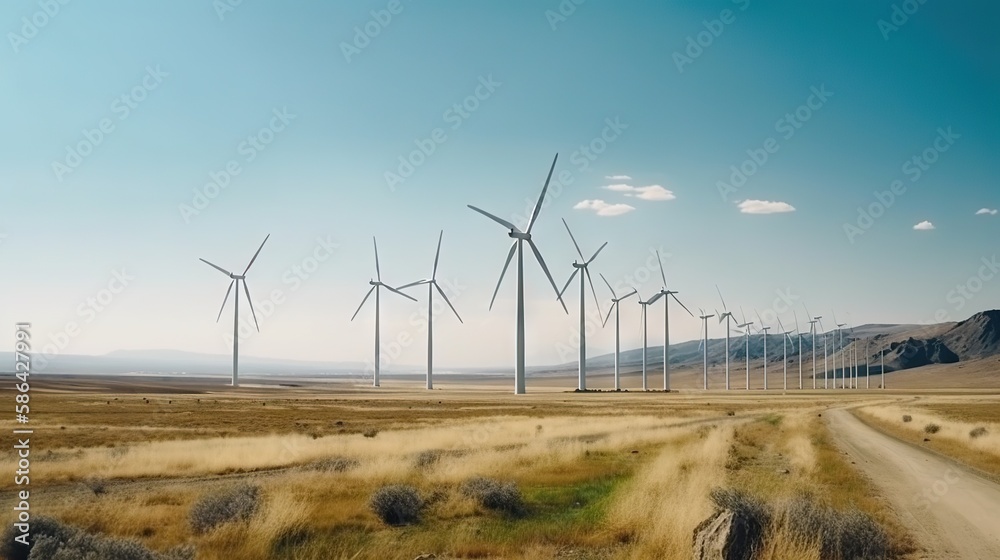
column 842, row 535
column 396, row 504
column 52, row 540
column 907, row 418
column 370, row 433
column 429, row 458
column 239, row 503
column 932, row 428
column 978, row 432
column 495, row 495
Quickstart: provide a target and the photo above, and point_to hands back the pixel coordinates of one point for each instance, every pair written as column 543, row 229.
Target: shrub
column 907, row 418
column 52, row 540
column 236, row 504
column 495, row 495
column 336, row 464
column 978, row 432
column 932, row 428
column 370, row 432
column 396, row 504
column 842, row 535
column 428, row 458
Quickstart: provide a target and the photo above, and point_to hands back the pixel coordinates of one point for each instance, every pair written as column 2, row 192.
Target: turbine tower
column 431, row 286
column 376, row 286
column 798, row 333
column 615, row 301
column 728, row 317
column 704, row 319
column 843, row 365
column 812, row 336
column 520, row 237
column 868, row 371
column 784, row 351
column 644, row 305
column 666, row 295
column 237, row 279
column 583, row 265
column 764, row 330
column 746, row 325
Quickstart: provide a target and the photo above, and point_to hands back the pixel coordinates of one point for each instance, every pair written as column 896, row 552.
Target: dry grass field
column 597, row 476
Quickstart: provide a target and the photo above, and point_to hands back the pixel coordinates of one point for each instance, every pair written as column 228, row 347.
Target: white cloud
column 765, row 207
column 651, row 192
column 924, row 226
column 990, row 211
column 618, row 178
column 603, row 208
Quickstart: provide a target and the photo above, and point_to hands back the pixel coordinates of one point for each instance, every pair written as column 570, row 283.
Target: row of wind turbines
column 581, row 268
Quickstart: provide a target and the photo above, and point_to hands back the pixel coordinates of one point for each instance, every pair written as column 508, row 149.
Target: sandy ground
column 952, row 511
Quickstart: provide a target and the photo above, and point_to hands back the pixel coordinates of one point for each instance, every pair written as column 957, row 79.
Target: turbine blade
column 216, row 267
column 411, row 284
column 250, row 301
column 372, row 289
column 378, row 271
column 608, row 284
column 541, row 198
column 610, row 309
column 541, row 262
column 593, row 291
column 598, row 252
column 224, row 300
column 662, row 274
column 796, row 315
column 724, row 308
column 758, row 317
column 500, row 221
column 571, row 277
column 743, row 314
column 653, row 299
column 688, row 310
column 510, row 255
column 630, row 294
column 391, row 289
column 257, row 253
column 437, row 255
column 446, row 300
column 575, row 244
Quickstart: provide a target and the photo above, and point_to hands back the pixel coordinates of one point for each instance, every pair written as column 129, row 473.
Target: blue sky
column 337, row 94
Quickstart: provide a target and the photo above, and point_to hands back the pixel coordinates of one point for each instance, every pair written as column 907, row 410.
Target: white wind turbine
column 237, row 279
column 826, row 370
column 746, row 325
column 376, row 286
column 798, row 333
column 577, row 267
column 812, row 336
column 784, row 351
column 520, row 237
column 615, row 301
column 843, row 364
column 868, row 371
column 728, row 317
column 645, row 305
column 764, row 330
column 431, row 286
column 667, row 294
column 704, row 319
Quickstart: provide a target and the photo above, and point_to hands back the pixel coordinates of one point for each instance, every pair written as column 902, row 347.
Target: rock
column 426, row 557
column 726, row 536
column 784, row 471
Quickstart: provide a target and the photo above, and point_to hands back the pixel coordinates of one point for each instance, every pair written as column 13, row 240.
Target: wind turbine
column 843, row 366
column 764, row 330
column 520, row 237
column 746, row 325
column 798, row 333
column 376, row 286
column 615, row 300
column 704, row 319
column 784, row 351
column 812, row 336
column 667, row 294
column 826, row 369
column 882, row 355
column 577, row 267
column 236, row 280
column 728, row 317
column 431, row 286
column 644, row 305
column 868, row 371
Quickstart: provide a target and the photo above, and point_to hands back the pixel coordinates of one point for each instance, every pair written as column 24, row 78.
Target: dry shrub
column 239, row 503
column 907, row 418
column 932, row 428
column 495, row 495
column 397, row 504
column 978, row 432
column 53, row 540
column 841, row 535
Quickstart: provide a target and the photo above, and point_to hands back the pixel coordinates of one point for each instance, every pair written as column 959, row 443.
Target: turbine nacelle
column 518, row 234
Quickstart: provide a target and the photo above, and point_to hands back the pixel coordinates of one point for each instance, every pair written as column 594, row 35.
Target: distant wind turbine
column 431, row 286
column 645, row 305
column 520, row 237
column 236, row 280
column 667, row 294
column 746, row 325
column 376, row 286
column 615, row 301
column 728, row 317
column 583, row 265
column 704, row 319
column 784, row 351
column 812, row 336
column 798, row 333
column 764, row 330
column 843, row 365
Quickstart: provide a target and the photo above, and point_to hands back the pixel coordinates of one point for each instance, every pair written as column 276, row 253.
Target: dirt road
column 951, row 511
